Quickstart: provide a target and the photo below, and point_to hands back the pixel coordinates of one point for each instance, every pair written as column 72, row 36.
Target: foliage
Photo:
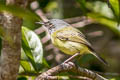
column 103, row 14
column 28, row 16
column 32, row 51
column 115, row 7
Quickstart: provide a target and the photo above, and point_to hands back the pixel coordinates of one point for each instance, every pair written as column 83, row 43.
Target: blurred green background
column 97, row 19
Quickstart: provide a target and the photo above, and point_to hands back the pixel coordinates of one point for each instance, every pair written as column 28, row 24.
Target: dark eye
column 53, row 26
column 46, row 24
column 50, row 24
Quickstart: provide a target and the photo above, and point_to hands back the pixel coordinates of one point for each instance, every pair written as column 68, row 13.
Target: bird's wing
column 74, row 35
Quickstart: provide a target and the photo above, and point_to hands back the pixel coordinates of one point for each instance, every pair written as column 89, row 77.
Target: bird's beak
column 40, row 23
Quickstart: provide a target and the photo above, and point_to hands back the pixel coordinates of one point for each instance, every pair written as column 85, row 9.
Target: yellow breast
column 67, row 47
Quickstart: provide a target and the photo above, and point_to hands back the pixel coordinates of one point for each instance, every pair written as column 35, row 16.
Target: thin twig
column 83, row 23
column 41, row 29
column 69, row 67
column 75, row 19
column 72, row 57
column 42, row 15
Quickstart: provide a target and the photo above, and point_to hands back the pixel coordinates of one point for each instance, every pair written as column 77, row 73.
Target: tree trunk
column 11, row 42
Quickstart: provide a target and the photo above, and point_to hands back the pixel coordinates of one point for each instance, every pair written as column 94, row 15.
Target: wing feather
column 73, row 35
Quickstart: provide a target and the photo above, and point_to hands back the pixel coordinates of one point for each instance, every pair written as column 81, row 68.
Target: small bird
column 69, row 39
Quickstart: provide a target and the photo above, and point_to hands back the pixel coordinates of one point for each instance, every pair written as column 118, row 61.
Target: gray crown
column 57, row 24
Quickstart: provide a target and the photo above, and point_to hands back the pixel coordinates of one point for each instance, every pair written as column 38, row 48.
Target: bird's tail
column 99, row 58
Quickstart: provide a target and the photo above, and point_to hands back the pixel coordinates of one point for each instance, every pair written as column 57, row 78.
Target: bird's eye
column 50, row 23
column 53, row 26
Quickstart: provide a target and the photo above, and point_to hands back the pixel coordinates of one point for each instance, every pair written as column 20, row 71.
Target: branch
column 67, row 77
column 75, row 19
column 42, row 15
column 11, row 42
column 42, row 29
column 69, row 67
column 54, row 77
column 83, row 23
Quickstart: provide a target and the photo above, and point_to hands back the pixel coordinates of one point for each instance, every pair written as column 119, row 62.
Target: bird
column 68, row 39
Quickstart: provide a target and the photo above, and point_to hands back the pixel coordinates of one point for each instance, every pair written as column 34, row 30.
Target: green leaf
column 32, row 47
column 115, row 6
column 101, row 13
column 115, row 78
column 111, row 24
column 2, row 1
column 22, row 78
column 18, row 11
column 82, row 5
column 23, row 55
column 45, row 63
column 101, row 8
column 29, row 17
column 26, row 65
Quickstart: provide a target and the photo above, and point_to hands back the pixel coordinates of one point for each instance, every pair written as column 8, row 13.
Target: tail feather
column 93, row 52
column 100, row 58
